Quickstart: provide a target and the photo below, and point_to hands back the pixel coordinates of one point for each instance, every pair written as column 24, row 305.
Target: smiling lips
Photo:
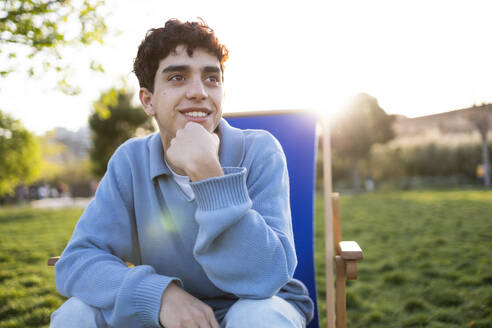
column 196, row 114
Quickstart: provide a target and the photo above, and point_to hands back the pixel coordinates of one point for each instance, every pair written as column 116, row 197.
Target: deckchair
column 296, row 132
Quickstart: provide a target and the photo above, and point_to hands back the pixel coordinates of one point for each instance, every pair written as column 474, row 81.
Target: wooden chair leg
column 340, row 303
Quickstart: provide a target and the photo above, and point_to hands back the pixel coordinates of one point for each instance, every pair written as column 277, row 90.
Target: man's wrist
column 170, row 286
column 205, row 170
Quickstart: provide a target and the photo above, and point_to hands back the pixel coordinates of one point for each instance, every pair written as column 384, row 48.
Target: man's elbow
column 266, row 288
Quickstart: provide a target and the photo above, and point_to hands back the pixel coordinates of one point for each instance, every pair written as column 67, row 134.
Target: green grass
column 427, row 260
column 28, row 238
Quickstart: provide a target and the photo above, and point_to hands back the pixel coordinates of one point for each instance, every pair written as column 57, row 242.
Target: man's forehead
column 200, row 56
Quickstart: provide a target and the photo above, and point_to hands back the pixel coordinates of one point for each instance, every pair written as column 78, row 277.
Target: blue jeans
column 245, row 313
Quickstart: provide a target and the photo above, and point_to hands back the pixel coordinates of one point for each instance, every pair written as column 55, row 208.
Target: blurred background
column 405, row 85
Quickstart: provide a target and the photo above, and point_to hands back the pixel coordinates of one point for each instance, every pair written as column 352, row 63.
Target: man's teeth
column 196, row 114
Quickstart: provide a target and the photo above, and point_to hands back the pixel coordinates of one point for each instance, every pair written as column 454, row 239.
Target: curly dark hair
column 160, row 42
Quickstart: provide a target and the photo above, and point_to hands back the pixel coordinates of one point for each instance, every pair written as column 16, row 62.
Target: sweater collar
column 231, row 150
column 156, row 157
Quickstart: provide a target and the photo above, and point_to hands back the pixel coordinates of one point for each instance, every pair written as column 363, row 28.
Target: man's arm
column 244, row 242
column 92, row 266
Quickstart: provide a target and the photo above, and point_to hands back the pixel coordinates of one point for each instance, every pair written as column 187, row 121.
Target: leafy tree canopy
column 114, row 120
column 361, row 124
column 481, row 118
column 32, row 27
column 19, row 152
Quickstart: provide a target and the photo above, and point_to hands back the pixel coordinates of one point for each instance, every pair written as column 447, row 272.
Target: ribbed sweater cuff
column 148, row 295
column 221, row 192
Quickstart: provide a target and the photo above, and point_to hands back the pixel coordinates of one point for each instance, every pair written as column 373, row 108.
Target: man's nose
column 196, row 90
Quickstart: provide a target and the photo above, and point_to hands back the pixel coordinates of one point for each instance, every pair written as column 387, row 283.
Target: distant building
column 449, row 122
column 77, row 142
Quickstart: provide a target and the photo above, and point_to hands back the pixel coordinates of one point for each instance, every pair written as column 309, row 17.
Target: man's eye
column 213, row 78
column 176, row 77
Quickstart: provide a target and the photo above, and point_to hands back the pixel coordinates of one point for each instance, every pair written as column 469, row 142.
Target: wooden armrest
column 53, row 260
column 350, row 250
column 350, row 253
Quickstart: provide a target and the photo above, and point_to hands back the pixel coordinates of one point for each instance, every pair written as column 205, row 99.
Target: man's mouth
column 195, row 113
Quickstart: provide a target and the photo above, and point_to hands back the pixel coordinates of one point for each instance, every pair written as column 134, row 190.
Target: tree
column 50, row 168
column 480, row 118
column 19, row 152
column 34, row 27
column 113, row 121
column 361, row 124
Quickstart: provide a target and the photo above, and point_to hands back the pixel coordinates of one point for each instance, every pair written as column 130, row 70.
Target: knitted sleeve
column 245, row 242
column 92, row 266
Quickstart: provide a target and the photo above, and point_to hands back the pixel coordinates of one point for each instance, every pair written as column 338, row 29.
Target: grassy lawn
column 427, row 260
column 28, row 238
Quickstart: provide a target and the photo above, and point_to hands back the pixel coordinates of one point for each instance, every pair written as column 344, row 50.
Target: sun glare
column 416, row 58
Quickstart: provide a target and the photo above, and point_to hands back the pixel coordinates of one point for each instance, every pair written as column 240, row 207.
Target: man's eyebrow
column 211, row 69
column 176, row 68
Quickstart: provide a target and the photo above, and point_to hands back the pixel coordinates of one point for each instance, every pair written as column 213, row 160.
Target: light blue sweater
column 233, row 240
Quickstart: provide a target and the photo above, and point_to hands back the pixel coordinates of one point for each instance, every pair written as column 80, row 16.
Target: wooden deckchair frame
column 345, row 253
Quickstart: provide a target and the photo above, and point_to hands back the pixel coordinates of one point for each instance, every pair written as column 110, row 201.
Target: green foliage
column 19, row 153
column 426, row 160
column 113, row 121
column 50, row 169
column 361, row 124
column 436, row 160
column 426, row 259
column 61, row 164
column 76, row 172
column 44, row 26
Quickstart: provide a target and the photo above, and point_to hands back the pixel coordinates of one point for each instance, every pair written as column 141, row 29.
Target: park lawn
column 28, row 238
column 427, row 260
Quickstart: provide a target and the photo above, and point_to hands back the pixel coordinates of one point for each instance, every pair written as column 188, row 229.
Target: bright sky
column 416, row 57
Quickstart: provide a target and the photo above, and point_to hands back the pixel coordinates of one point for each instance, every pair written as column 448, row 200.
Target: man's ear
column 145, row 97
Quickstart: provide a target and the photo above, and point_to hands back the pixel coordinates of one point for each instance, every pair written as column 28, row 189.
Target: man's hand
column 180, row 309
column 194, row 150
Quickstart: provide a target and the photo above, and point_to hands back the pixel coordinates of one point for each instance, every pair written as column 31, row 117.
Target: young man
column 201, row 209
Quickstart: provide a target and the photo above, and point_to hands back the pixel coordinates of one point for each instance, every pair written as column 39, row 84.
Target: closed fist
column 195, row 152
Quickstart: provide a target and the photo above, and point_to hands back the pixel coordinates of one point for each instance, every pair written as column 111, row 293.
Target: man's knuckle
column 186, row 321
column 201, row 317
column 208, row 310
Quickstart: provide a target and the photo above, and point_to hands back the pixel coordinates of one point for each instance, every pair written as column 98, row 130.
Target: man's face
column 185, row 89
